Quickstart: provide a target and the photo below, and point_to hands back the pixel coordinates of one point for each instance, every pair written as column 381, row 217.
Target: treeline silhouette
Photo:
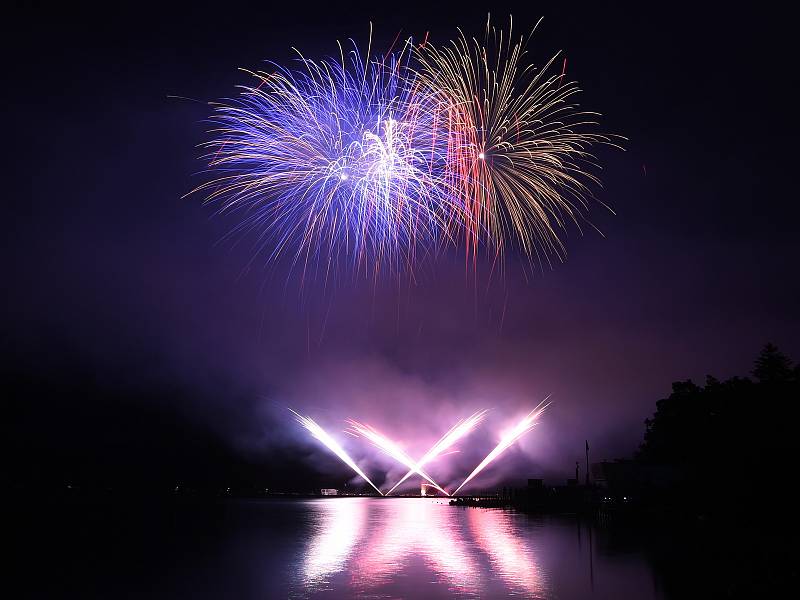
column 730, row 444
column 719, row 525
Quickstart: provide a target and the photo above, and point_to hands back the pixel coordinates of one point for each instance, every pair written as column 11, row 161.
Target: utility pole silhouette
column 587, row 463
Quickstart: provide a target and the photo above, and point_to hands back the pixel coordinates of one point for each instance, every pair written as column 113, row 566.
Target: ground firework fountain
column 459, row 431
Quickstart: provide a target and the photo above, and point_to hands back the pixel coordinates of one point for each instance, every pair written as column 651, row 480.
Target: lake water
column 422, row 548
column 340, row 548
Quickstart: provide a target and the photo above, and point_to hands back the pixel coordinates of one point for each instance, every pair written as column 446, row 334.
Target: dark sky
column 127, row 319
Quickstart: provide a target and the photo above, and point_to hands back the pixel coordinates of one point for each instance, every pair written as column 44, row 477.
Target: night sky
column 137, row 339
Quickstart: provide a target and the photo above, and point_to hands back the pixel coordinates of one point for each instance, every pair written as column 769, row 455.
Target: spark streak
column 521, row 428
column 380, row 162
column 332, row 161
column 332, row 445
column 393, row 450
column 458, row 431
column 518, row 143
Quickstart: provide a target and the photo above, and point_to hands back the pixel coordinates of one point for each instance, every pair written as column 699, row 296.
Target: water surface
column 326, row 548
column 424, row 548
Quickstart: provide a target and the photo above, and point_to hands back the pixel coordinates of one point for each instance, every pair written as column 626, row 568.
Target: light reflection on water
column 510, row 554
column 333, row 549
column 335, row 533
column 412, row 529
column 421, row 548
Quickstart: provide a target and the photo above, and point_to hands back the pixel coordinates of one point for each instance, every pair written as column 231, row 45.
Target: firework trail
column 518, row 144
column 521, row 428
column 336, row 160
column 393, row 450
column 458, row 431
column 332, row 445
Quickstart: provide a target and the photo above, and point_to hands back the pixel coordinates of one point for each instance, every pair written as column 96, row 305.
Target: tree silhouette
column 728, row 435
column 772, row 366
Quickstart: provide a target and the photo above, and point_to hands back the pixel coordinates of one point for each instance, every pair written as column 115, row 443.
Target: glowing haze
column 393, row 449
column 458, row 431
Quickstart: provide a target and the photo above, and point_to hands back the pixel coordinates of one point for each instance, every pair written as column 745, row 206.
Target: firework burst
column 378, row 162
column 333, row 161
column 519, row 146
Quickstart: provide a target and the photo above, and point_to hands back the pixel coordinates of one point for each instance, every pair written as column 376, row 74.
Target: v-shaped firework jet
column 520, row 429
column 456, row 433
column 332, row 445
column 393, row 450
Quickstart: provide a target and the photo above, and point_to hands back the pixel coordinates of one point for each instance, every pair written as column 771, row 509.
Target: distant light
column 343, row 176
column 481, row 156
